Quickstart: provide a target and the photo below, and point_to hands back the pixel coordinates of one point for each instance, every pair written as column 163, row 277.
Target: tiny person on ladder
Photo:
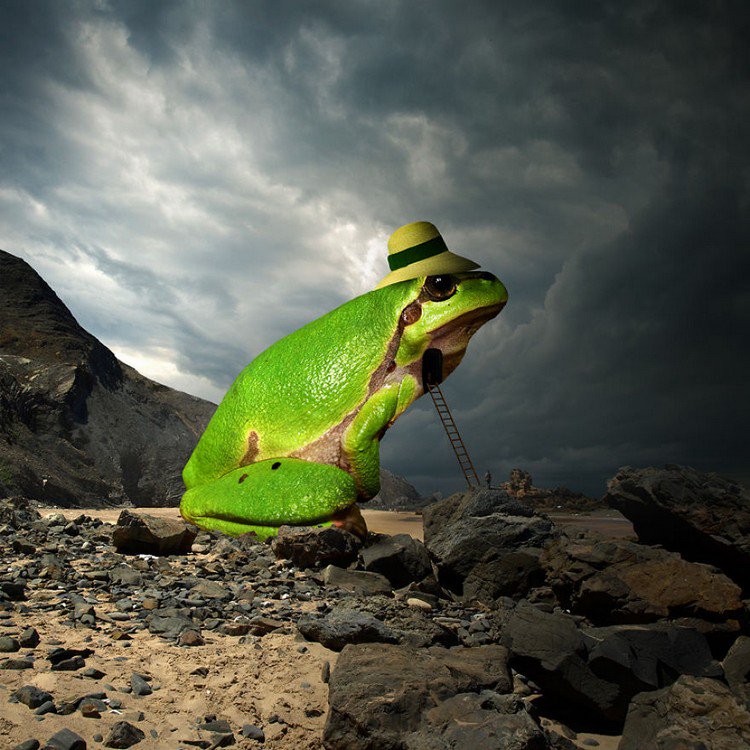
column 488, row 478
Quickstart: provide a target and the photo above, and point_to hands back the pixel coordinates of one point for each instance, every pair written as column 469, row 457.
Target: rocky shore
column 500, row 630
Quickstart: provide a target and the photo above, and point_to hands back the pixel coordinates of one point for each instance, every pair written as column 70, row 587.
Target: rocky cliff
column 77, row 426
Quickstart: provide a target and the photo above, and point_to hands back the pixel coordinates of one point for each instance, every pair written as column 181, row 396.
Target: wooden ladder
column 464, row 461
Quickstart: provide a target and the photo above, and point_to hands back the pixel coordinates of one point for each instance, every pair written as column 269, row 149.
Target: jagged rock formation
column 77, row 426
column 397, row 494
column 520, row 486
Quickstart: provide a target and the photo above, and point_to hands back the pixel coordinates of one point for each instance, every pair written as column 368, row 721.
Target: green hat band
column 435, row 246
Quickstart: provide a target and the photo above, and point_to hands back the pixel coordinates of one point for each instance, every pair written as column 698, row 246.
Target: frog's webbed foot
column 267, row 494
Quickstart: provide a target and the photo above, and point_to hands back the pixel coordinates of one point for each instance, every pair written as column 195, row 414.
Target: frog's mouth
column 452, row 338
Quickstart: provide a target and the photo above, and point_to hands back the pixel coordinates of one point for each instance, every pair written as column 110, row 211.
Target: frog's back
column 299, row 387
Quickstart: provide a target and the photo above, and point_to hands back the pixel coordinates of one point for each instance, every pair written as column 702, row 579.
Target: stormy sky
column 198, row 179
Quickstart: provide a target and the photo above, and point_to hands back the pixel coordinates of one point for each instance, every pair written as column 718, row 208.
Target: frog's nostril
column 276, row 466
column 486, row 275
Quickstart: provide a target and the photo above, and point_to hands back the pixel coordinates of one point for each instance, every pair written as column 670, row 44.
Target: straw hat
column 417, row 249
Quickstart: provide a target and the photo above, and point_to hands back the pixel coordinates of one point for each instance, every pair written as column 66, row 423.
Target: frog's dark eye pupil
column 440, row 287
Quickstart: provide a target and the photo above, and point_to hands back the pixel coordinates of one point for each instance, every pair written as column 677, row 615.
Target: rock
column 419, row 604
column 703, row 517
column 92, row 708
column 357, row 581
column 72, row 664
column 314, row 547
column 125, row 576
column 400, row 558
column 29, row 638
column 139, row 685
column 736, row 667
column 396, row 494
column 15, row 591
column 220, row 726
column 143, row 534
column 598, row 670
column 483, row 720
column 170, row 626
column 190, row 638
column 379, row 693
column 611, row 581
column 58, row 655
column 252, row 732
column 692, row 713
column 210, row 590
column 486, row 545
column 123, row 734
column 342, row 626
column 543, row 499
column 65, row 739
column 93, row 674
column 17, row 664
column 8, row 645
column 27, row 745
column 32, row 696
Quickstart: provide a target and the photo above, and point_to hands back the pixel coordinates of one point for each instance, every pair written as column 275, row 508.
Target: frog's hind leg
column 267, row 494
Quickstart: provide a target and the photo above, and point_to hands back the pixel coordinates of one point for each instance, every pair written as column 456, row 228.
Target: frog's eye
column 440, row 287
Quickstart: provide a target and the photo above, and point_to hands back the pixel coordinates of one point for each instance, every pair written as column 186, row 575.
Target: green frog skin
column 296, row 439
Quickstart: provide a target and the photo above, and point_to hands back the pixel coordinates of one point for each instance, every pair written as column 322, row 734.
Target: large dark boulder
column 704, row 517
column 379, row 694
column 486, row 545
column 78, row 426
column 691, row 714
column 598, row 670
column 613, row 581
column 144, row 534
column 400, row 558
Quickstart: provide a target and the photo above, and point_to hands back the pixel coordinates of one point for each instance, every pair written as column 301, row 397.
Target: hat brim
column 446, row 262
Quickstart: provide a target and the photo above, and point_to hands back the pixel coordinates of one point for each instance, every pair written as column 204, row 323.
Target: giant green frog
column 296, row 439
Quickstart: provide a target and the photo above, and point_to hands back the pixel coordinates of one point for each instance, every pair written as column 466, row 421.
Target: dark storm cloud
column 216, row 175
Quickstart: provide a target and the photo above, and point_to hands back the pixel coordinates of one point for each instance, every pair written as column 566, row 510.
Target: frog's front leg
column 361, row 439
column 267, row 494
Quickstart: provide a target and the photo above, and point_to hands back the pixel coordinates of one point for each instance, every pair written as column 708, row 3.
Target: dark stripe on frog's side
column 251, row 453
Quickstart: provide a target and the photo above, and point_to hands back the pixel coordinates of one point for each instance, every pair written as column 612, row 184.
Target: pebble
column 123, row 734
column 29, row 638
column 27, row 745
column 9, row 645
column 190, row 638
column 65, row 739
column 419, row 604
column 48, row 707
column 17, row 664
column 32, row 696
column 139, row 686
column 252, row 732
